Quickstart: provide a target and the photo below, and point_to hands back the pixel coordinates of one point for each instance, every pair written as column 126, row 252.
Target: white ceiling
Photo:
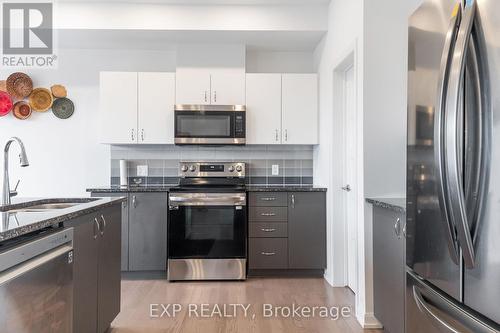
column 213, row 2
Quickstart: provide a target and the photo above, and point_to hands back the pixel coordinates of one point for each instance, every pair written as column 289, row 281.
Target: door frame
column 338, row 260
column 347, row 66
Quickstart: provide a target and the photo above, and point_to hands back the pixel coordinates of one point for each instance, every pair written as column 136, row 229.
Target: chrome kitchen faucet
column 23, row 160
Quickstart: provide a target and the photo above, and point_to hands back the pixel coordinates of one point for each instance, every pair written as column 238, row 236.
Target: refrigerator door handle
column 439, row 131
column 436, row 307
column 454, row 182
column 427, row 310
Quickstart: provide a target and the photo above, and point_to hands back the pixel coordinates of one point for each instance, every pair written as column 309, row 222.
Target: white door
column 192, row 86
column 300, row 109
column 228, row 87
column 118, row 107
column 263, row 100
column 156, row 108
column 349, row 175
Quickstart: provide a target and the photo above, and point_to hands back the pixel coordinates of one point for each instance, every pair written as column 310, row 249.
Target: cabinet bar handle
column 397, row 227
column 103, row 224
column 268, row 230
column 293, row 201
column 134, row 201
column 286, row 135
column 268, row 253
column 277, row 138
column 268, row 214
column 142, row 134
column 132, row 135
column 215, row 96
column 98, row 227
column 268, row 199
column 205, row 96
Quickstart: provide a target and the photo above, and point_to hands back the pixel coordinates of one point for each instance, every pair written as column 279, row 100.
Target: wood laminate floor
column 138, row 294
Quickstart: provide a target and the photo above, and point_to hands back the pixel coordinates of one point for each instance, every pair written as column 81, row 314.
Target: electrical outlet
column 142, row 170
column 276, row 170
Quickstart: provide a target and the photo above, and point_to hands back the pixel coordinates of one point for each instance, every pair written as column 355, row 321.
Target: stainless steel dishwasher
column 36, row 283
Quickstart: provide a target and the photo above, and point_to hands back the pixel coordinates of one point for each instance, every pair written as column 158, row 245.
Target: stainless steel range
column 207, row 225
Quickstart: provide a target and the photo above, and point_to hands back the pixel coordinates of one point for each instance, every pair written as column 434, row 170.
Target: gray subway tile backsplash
column 295, row 163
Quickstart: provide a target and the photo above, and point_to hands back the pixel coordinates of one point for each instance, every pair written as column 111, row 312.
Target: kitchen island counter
column 19, row 219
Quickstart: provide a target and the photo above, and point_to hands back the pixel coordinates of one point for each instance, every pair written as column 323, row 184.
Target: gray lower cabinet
column 148, row 231
column 124, row 226
column 307, row 230
column 389, row 268
column 97, row 247
column 287, row 231
column 109, row 275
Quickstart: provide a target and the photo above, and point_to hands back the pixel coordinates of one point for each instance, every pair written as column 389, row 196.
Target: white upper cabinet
column 210, row 86
column 263, row 100
column 192, row 86
column 300, row 109
column 156, row 108
column 227, row 87
column 118, row 103
column 137, row 107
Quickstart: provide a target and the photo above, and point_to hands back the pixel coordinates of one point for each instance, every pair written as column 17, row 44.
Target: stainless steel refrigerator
column 453, row 175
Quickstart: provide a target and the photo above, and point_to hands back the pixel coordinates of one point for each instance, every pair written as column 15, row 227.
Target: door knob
column 347, row 188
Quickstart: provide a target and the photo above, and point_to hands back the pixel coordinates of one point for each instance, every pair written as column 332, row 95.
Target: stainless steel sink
column 47, row 205
column 44, row 207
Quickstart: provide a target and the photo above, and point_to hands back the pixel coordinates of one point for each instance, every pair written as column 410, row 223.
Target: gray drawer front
column 268, row 230
column 268, row 199
column 268, row 214
column 268, row 253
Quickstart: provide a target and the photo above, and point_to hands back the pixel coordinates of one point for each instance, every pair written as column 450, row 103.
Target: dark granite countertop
column 396, row 204
column 15, row 223
column 166, row 188
column 285, row 188
column 127, row 189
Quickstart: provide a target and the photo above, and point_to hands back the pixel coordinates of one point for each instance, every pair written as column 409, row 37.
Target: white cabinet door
column 192, row 86
column 300, row 109
column 156, row 108
column 228, row 87
column 263, row 100
column 118, row 107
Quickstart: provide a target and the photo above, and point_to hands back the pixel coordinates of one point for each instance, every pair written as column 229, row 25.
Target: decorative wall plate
column 22, row 110
column 19, row 85
column 59, row 91
column 5, row 103
column 63, row 108
column 41, row 99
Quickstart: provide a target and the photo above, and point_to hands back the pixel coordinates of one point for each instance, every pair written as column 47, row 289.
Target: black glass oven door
column 204, row 124
column 211, row 232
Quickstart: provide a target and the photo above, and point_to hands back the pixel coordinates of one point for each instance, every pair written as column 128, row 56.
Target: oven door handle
column 237, row 200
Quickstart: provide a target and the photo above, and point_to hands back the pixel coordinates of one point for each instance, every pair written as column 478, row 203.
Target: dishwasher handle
column 36, row 262
column 34, row 248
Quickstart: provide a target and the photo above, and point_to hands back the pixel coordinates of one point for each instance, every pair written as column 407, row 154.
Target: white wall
column 377, row 31
column 345, row 35
column 279, row 62
column 65, row 156
column 385, row 91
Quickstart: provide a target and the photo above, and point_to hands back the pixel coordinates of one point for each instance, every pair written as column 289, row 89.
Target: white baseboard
column 368, row 321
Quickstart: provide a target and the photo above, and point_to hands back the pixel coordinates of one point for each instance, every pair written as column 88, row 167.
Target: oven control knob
column 184, row 168
column 231, row 168
column 192, row 168
column 239, row 168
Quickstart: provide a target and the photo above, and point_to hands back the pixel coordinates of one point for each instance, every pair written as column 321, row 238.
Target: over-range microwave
column 210, row 124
